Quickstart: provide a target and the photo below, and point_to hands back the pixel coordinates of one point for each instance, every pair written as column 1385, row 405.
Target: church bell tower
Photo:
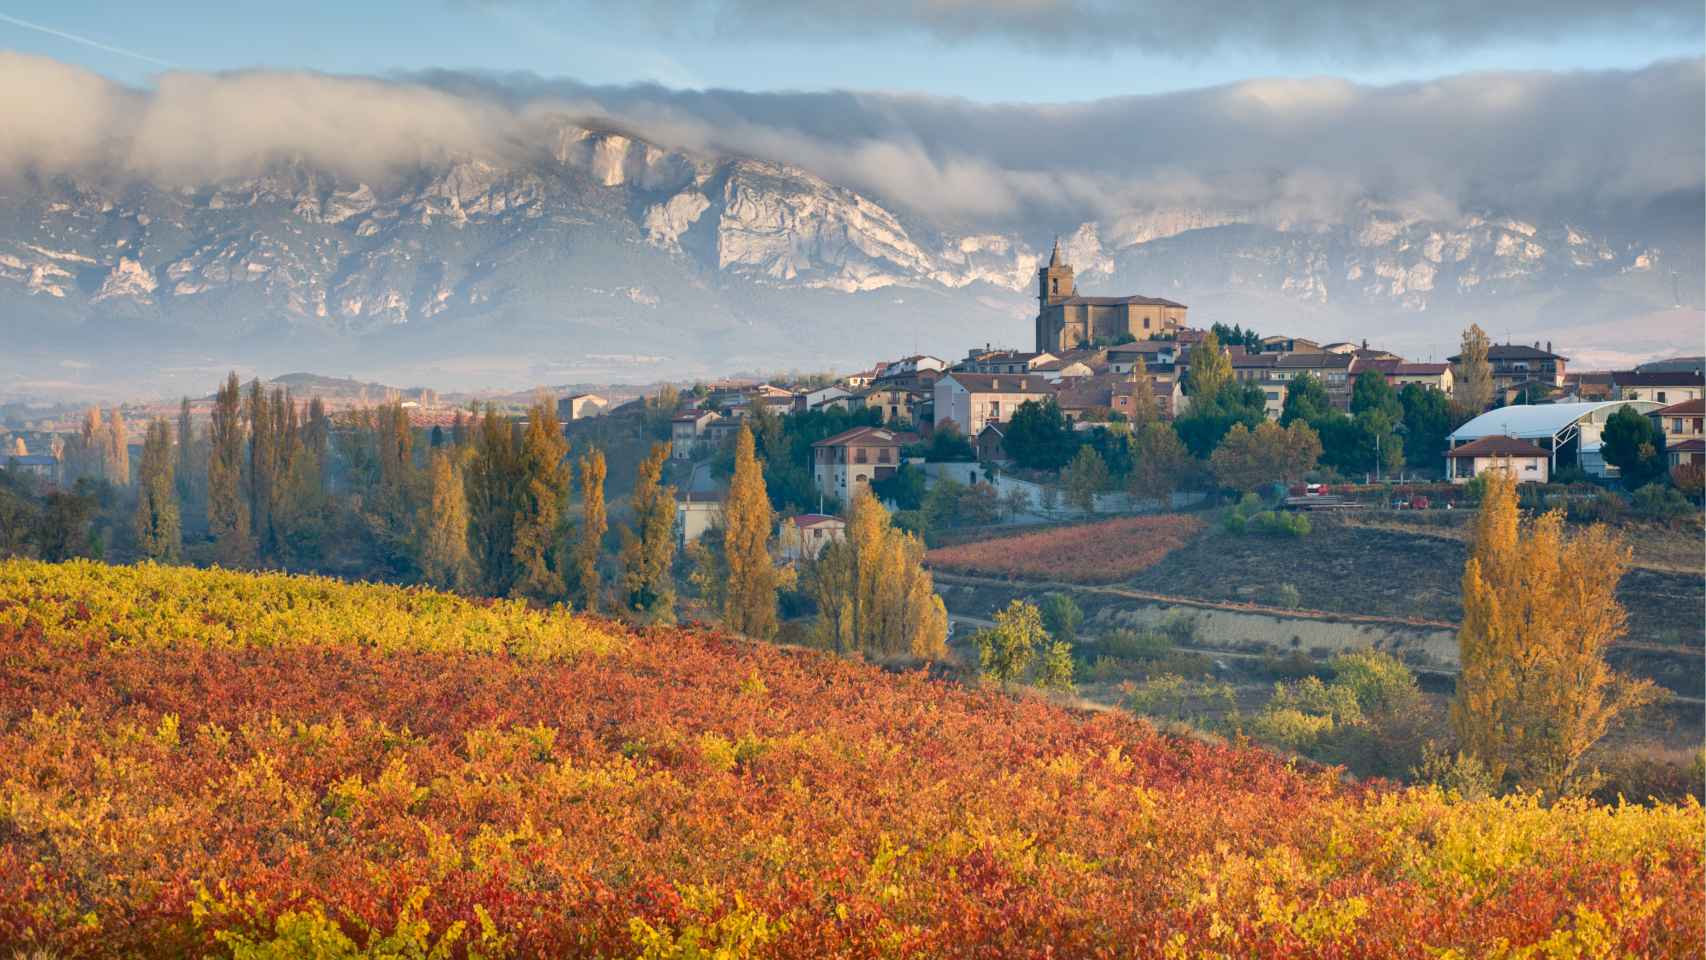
column 1054, row 282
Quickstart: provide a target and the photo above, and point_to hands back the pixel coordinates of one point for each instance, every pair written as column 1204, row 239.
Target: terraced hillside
column 221, row 764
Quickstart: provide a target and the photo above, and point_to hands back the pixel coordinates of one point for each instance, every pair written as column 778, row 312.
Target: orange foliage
column 1104, row 552
column 686, row 794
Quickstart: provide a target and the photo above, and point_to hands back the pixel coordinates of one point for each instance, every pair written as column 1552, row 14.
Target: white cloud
column 1529, row 143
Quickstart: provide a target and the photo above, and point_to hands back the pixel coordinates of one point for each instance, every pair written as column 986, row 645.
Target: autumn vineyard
column 1105, row 552
column 203, row 763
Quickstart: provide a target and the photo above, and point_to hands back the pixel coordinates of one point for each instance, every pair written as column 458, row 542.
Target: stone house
column 971, row 400
column 848, row 462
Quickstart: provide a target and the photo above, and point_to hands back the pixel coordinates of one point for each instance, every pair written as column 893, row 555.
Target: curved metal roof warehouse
column 1552, row 425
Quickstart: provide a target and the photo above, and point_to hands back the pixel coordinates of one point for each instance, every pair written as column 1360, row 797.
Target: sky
column 981, row 50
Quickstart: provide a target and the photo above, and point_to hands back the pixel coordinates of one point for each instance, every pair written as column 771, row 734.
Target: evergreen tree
column 1428, row 421
column 1371, row 392
column 542, row 494
column 589, row 544
column 159, row 530
column 1633, row 444
column 227, row 506
column 749, row 598
column 445, row 560
column 1474, row 380
column 648, row 550
column 1038, row 436
column 1539, row 611
column 1305, row 399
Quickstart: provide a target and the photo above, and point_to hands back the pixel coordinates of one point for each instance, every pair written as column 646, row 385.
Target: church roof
column 1117, row 301
column 1054, row 258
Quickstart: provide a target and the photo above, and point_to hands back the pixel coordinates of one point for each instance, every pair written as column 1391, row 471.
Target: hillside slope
column 201, row 762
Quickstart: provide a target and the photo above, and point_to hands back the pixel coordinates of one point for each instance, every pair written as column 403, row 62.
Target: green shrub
column 1285, row 595
column 1135, row 645
column 1061, row 617
column 1661, row 502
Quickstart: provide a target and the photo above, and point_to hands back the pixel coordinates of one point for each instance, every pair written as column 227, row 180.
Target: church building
column 1066, row 321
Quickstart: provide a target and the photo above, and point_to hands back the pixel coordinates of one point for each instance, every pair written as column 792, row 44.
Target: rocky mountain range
column 604, row 258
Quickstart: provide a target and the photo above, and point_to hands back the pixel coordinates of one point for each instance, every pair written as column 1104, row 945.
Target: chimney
column 1537, row 344
column 1548, row 346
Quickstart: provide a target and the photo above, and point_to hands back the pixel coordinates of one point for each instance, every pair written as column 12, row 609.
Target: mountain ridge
column 610, row 256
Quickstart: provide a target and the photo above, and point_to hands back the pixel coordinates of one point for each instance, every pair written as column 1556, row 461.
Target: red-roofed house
column 846, row 463
column 1684, row 427
column 1518, row 458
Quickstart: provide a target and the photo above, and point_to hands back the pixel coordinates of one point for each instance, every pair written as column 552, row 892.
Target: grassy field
column 484, row 780
column 1350, row 566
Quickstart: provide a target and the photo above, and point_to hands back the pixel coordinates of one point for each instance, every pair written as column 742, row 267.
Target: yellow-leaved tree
column 442, row 540
column 590, row 544
column 872, row 590
column 749, row 594
column 1539, row 610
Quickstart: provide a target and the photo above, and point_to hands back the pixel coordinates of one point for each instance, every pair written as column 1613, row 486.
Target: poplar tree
column 190, row 472
column 263, row 468
column 159, row 528
column 872, row 590
column 590, row 542
column 1473, row 388
column 1539, row 610
column 749, row 598
column 648, row 549
column 88, row 456
column 1210, row 369
column 459, row 431
column 1144, row 407
column 491, row 484
column 227, row 507
column 317, row 441
column 542, row 494
column 445, row 560
column 115, row 451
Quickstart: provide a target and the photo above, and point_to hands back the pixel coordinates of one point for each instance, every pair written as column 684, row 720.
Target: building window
column 1661, row 396
column 1054, row 285
column 1676, row 425
column 859, row 455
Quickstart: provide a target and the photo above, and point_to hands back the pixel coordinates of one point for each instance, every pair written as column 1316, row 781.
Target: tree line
column 496, row 506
